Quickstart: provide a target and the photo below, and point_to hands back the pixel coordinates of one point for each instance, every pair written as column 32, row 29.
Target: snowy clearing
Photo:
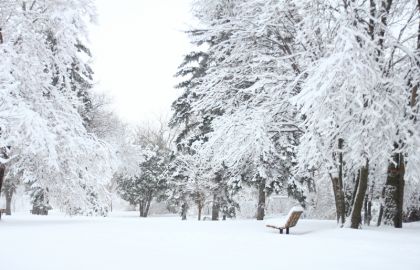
column 124, row 241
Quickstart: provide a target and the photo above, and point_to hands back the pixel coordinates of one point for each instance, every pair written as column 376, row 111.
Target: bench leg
column 287, row 230
column 281, row 231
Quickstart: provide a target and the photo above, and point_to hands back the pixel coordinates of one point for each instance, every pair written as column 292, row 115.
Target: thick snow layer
column 125, row 241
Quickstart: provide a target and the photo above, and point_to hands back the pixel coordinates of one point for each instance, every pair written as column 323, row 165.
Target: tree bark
column 367, row 210
column 356, row 213
column 146, row 211
column 261, row 200
column 200, row 208
column 141, row 209
column 339, row 200
column 2, row 170
column 9, row 195
column 338, row 189
column 184, row 209
column 394, row 192
column 144, row 205
column 215, row 209
column 381, row 214
column 356, row 186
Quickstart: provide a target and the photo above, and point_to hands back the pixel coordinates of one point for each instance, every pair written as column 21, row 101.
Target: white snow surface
column 125, row 241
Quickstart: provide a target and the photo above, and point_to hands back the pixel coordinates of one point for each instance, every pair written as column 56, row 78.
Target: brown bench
column 2, row 211
column 291, row 221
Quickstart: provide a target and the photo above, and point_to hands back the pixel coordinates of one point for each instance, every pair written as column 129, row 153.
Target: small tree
column 148, row 185
column 147, row 181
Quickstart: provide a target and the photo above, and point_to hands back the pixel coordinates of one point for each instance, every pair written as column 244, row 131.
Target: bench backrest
column 293, row 219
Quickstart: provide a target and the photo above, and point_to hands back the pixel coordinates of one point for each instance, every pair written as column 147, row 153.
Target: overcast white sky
column 137, row 46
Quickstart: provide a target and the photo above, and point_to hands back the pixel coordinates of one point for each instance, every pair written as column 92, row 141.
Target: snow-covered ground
column 124, row 241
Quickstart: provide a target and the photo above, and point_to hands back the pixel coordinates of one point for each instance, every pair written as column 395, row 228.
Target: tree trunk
column 2, row 170
column 394, row 186
column 141, row 208
column 339, row 200
column 9, row 195
column 356, row 213
column 184, row 209
column 200, row 208
column 367, row 210
column 394, row 192
column 353, row 196
column 147, row 203
column 337, row 183
column 146, row 211
column 261, row 200
column 381, row 214
column 215, row 209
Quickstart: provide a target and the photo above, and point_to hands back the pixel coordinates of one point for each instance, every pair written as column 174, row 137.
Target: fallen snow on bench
column 281, row 221
column 125, row 241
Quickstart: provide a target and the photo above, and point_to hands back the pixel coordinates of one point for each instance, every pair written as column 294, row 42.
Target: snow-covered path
column 127, row 242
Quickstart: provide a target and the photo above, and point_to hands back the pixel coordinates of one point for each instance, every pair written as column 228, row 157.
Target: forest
column 315, row 101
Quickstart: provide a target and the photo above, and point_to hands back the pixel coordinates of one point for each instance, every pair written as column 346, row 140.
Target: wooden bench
column 291, row 220
column 2, row 211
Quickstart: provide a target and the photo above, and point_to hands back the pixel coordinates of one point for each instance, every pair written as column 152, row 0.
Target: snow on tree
column 350, row 67
column 147, row 182
column 148, row 185
column 354, row 99
column 244, row 92
column 42, row 131
column 9, row 188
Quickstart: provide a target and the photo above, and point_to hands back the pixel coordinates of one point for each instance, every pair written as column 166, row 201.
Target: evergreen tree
column 243, row 96
column 149, row 184
column 148, row 180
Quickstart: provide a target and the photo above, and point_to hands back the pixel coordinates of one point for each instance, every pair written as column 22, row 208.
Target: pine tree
column 148, row 181
column 245, row 82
